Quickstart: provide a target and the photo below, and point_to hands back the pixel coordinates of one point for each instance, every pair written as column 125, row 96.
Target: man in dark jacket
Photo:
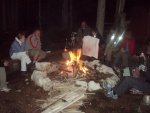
column 84, row 30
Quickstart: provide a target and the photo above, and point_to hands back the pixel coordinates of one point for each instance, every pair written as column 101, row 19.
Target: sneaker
column 111, row 95
column 108, row 87
column 5, row 89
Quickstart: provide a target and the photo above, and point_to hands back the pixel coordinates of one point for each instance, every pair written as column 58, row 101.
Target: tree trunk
column 65, row 14
column 100, row 16
column 119, row 10
column 71, row 1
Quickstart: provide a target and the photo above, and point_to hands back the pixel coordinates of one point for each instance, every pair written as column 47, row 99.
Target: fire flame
column 76, row 58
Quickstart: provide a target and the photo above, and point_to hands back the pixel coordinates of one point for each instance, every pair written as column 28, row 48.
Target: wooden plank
column 59, row 106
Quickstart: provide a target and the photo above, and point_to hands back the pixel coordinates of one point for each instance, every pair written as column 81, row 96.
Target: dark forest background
column 23, row 15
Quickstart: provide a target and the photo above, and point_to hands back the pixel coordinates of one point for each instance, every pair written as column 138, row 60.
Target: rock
column 26, row 80
column 92, row 86
column 18, row 91
column 82, row 84
column 40, row 78
column 42, row 66
column 27, row 83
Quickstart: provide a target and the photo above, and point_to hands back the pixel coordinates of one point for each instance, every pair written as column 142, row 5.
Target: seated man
column 3, row 84
column 17, row 51
column 142, row 83
column 127, row 50
column 33, row 46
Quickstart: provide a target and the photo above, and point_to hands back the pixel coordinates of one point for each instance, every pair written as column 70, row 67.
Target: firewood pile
column 68, row 89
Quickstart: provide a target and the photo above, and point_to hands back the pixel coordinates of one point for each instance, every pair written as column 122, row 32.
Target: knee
column 36, row 53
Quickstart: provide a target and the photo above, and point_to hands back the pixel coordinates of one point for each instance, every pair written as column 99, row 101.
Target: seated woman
column 17, row 51
column 3, row 84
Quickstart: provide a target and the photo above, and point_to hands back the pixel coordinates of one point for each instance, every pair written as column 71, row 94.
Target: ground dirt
column 22, row 97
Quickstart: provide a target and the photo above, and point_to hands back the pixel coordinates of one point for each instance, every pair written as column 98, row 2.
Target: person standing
column 33, row 46
column 109, row 45
column 84, row 30
column 17, row 51
column 127, row 50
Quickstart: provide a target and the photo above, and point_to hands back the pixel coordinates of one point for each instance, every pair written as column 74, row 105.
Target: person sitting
column 109, row 46
column 127, row 50
column 33, row 46
column 84, row 30
column 141, row 83
column 17, row 51
column 96, row 34
column 3, row 84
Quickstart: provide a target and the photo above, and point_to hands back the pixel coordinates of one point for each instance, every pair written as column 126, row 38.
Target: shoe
column 111, row 95
column 24, row 73
column 108, row 87
column 31, row 66
column 5, row 89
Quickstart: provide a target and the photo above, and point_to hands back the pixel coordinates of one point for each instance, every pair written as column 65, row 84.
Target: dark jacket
column 83, row 32
column 98, row 35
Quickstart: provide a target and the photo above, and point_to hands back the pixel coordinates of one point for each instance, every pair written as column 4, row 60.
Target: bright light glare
column 114, row 42
column 112, row 37
column 120, row 38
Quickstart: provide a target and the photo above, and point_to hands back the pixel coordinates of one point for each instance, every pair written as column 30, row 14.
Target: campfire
column 75, row 66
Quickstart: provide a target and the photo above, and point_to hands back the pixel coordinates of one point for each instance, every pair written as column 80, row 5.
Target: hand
column 6, row 63
column 26, row 52
column 38, row 38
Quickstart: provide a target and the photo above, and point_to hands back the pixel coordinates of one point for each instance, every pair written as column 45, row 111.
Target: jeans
column 130, row 82
column 24, row 59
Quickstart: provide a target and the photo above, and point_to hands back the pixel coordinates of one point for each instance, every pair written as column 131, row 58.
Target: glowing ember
column 65, row 50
